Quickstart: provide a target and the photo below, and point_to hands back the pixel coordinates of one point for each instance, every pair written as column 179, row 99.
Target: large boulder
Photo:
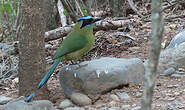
column 172, row 58
column 178, row 39
column 100, row 75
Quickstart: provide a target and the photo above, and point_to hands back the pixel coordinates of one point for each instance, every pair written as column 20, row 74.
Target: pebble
column 176, row 76
column 173, row 86
column 180, row 72
column 123, row 95
column 48, row 46
column 138, row 94
column 80, row 99
column 4, row 100
column 136, row 108
column 66, row 103
column 171, row 99
column 74, row 108
column 133, row 48
column 103, row 108
column 125, row 107
column 16, row 80
column 169, row 71
column 114, row 108
column 114, row 97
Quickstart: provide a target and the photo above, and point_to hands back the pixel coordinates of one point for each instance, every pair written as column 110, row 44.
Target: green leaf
column 8, row 8
column 1, row 10
column 84, row 12
column 65, row 12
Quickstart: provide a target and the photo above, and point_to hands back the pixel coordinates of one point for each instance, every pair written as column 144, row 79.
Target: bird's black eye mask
column 86, row 22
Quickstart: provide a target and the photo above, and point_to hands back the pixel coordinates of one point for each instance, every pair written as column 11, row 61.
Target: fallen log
column 102, row 25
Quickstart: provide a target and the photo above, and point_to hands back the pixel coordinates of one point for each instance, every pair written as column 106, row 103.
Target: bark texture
column 31, row 48
column 153, row 57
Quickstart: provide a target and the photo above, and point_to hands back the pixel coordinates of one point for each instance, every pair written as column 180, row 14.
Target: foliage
column 8, row 10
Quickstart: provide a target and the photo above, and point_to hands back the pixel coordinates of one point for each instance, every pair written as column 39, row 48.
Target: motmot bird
column 77, row 43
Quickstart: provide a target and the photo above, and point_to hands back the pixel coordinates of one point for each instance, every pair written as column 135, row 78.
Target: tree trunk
column 51, row 13
column 31, row 49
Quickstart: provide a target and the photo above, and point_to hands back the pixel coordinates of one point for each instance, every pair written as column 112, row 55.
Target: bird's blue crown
column 84, row 17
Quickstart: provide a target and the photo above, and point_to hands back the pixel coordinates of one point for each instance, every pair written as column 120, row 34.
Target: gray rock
column 80, row 99
column 66, row 103
column 100, row 75
column 176, row 76
column 123, row 95
column 178, row 39
column 114, row 97
column 172, row 58
column 20, row 104
column 4, row 100
column 169, row 71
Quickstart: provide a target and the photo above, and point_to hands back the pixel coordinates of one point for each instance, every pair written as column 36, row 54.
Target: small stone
column 173, row 86
column 114, row 97
column 176, row 76
column 102, row 108
column 125, row 107
column 80, row 99
column 66, row 103
column 136, row 108
column 169, row 71
column 133, row 48
column 74, row 108
column 138, row 94
column 180, row 72
column 48, row 46
column 181, row 69
column 114, row 108
column 4, row 100
column 158, row 105
column 171, row 99
column 123, row 95
column 16, row 80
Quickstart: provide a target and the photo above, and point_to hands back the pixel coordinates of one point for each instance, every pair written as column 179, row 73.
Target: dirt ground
column 169, row 92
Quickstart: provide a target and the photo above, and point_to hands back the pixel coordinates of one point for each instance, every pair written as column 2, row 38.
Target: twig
column 78, row 6
column 131, row 3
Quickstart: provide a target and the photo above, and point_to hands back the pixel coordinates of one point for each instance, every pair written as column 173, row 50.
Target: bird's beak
column 95, row 19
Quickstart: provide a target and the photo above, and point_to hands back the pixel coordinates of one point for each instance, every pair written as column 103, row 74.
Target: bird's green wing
column 71, row 44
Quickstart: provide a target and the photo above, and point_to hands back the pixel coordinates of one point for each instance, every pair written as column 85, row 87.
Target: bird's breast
column 77, row 54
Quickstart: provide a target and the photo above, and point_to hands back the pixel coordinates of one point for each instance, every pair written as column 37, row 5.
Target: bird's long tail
column 46, row 77
column 49, row 73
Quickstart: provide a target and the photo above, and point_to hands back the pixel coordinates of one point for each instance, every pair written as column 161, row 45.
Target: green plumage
column 77, row 43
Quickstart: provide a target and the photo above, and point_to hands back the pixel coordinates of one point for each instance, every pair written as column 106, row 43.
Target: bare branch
column 131, row 3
